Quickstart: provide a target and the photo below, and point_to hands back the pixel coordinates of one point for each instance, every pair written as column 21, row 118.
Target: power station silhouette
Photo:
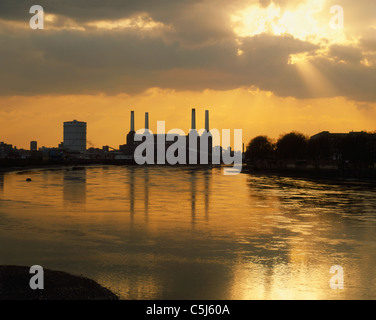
column 196, row 151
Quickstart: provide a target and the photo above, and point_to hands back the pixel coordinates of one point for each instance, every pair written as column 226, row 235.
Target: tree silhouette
column 292, row 146
column 260, row 147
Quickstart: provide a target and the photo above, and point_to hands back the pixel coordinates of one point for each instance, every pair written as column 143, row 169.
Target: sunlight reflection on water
column 178, row 233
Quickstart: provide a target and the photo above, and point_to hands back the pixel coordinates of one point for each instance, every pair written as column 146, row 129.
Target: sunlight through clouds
column 308, row 21
column 140, row 22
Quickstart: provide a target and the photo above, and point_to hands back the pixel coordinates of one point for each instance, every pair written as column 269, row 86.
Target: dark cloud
column 368, row 43
column 193, row 21
column 92, row 10
column 199, row 51
column 73, row 62
column 346, row 54
column 81, row 10
column 352, row 80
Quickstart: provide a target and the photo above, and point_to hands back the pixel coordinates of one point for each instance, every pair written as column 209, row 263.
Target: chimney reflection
column 146, row 194
column 200, row 183
column 196, row 189
column 74, row 186
column 207, row 193
column 193, row 196
column 131, row 192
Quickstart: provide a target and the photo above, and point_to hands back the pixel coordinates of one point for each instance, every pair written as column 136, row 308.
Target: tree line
column 351, row 148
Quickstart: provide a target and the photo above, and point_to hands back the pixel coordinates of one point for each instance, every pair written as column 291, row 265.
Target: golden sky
column 267, row 67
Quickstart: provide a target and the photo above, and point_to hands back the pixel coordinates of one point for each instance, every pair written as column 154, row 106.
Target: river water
column 178, row 233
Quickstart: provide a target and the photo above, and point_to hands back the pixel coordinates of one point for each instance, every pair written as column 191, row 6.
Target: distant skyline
column 267, row 67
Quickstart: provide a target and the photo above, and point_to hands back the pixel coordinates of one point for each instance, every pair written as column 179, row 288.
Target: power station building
column 169, row 139
column 75, row 136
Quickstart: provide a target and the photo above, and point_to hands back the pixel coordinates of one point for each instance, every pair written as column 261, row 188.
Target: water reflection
column 74, row 186
column 131, row 172
column 146, row 193
column 154, row 187
column 193, row 180
column 207, row 193
column 316, row 225
column 199, row 186
column 178, row 233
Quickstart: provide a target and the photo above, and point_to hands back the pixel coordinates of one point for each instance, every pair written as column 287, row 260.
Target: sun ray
column 316, row 82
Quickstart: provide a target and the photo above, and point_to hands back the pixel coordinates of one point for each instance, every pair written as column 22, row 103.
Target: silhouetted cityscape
column 74, row 149
column 326, row 154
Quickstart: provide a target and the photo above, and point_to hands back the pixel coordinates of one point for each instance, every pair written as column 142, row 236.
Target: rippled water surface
column 178, row 233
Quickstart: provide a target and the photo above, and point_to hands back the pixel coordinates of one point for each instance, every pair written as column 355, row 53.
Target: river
column 179, row 233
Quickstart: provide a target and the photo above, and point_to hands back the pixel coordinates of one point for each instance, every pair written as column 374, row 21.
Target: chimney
column 207, row 120
column 146, row 121
column 193, row 126
column 132, row 121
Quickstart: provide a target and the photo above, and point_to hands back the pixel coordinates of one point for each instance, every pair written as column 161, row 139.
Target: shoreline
column 20, row 165
column 79, row 165
column 315, row 176
column 58, row 285
column 246, row 169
